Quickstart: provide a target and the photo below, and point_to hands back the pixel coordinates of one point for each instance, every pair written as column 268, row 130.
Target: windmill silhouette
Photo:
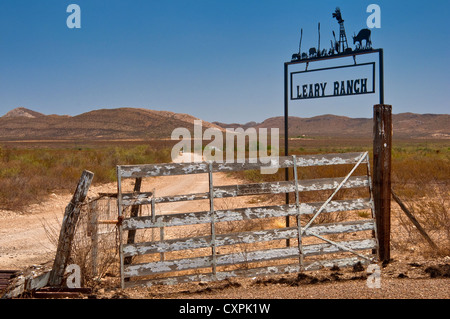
column 343, row 44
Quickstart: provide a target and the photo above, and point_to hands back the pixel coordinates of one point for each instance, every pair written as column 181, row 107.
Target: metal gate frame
column 213, row 216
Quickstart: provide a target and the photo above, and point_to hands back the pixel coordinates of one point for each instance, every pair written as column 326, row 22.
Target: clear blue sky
column 217, row 60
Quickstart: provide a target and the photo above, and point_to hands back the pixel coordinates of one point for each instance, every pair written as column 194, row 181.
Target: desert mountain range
column 405, row 125
column 137, row 123
column 121, row 123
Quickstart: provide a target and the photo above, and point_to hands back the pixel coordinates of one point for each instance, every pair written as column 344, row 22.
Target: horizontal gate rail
column 230, row 215
column 251, row 189
column 239, row 258
column 244, row 238
column 233, row 260
column 137, row 171
column 253, row 272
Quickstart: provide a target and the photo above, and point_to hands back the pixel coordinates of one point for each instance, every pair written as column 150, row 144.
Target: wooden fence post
column 382, row 146
column 68, row 226
column 93, row 232
column 134, row 213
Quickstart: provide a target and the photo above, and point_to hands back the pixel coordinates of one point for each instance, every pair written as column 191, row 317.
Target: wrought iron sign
column 338, row 46
column 360, row 78
column 349, row 79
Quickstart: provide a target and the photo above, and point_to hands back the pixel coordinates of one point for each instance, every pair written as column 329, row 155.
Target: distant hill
column 138, row 123
column 236, row 125
column 405, row 125
column 120, row 123
column 23, row 112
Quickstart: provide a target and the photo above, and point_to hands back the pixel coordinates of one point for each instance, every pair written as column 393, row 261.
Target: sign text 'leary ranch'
column 345, row 80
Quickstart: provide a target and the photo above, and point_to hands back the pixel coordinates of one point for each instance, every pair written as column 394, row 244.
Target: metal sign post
column 382, row 114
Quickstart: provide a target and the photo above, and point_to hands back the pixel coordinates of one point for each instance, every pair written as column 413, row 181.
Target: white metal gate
column 272, row 249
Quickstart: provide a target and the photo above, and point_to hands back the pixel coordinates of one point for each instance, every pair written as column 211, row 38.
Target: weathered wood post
column 68, row 226
column 93, row 233
column 134, row 213
column 382, row 147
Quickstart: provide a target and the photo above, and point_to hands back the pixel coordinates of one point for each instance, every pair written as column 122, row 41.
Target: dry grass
column 421, row 178
column 28, row 175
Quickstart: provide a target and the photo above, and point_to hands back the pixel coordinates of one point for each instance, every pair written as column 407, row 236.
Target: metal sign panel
column 354, row 79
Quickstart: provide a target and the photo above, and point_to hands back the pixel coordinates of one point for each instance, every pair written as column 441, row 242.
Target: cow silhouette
column 364, row 34
column 296, row 56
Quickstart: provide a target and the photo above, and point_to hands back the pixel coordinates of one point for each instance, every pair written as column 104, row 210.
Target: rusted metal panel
column 56, row 293
column 6, row 276
column 170, row 169
column 254, row 189
column 243, row 257
column 242, row 214
column 244, row 238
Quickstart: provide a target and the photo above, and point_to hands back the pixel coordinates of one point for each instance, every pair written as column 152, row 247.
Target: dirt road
column 23, row 237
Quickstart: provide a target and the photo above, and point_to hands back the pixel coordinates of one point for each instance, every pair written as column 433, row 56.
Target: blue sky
column 217, row 60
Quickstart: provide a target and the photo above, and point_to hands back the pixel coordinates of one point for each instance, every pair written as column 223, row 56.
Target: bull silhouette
column 364, row 34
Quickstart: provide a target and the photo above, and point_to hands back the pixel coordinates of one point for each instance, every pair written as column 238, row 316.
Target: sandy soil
column 24, row 236
column 24, row 241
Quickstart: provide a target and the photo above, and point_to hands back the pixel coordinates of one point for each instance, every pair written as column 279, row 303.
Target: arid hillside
column 104, row 124
column 405, row 125
column 22, row 112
